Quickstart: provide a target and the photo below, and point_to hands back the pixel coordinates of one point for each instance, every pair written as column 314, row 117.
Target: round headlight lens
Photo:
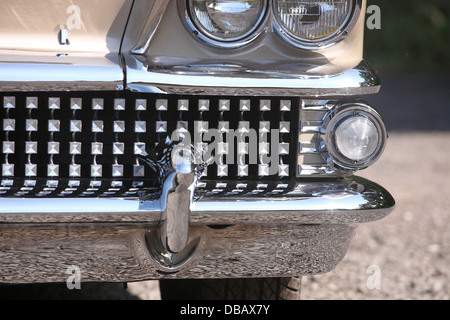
column 357, row 138
column 227, row 20
column 312, row 20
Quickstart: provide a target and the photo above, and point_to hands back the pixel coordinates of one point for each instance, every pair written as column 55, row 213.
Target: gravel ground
column 409, row 251
column 404, row 256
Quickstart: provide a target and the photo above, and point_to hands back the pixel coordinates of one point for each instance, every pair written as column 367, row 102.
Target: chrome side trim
column 45, row 72
column 234, row 79
column 350, row 200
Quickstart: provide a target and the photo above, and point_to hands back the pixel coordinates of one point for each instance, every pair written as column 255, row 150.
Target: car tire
column 232, row 289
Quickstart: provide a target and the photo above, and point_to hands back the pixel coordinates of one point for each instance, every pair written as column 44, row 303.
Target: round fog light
column 355, row 136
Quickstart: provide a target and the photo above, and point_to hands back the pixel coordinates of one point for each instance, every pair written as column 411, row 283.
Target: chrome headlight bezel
column 320, row 43
column 202, row 35
column 340, row 115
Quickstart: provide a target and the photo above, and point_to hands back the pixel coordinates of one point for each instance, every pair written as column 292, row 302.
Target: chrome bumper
column 346, row 201
column 306, row 230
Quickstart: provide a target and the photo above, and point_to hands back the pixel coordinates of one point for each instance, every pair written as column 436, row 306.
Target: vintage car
column 210, row 145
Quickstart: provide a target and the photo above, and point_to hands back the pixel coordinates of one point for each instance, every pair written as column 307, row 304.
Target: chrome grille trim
column 89, row 144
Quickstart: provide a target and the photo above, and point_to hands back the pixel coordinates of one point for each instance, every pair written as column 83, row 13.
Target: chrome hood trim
column 248, row 79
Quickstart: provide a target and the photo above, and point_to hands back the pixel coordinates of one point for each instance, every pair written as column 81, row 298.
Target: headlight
column 312, row 22
column 226, row 20
column 355, row 136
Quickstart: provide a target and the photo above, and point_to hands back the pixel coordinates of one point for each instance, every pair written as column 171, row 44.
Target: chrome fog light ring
column 320, row 42
column 201, row 33
column 355, row 136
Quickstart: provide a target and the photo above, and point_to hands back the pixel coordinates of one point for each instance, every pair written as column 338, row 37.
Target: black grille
column 91, row 143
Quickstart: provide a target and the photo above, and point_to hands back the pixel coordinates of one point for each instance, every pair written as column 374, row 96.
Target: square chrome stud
column 9, row 125
column 118, row 148
column 283, row 148
column 244, row 127
column 97, row 126
column 54, row 125
column 243, row 170
column 96, row 148
column 75, row 170
column 54, row 103
column 9, row 102
column 203, row 105
column 96, row 171
column 283, row 170
column 141, row 105
column 285, row 105
column 224, row 105
column 97, row 104
column 119, row 104
column 76, row 125
column 285, row 127
column 263, row 170
column 222, row 148
column 119, row 126
column 8, row 147
column 222, row 170
column 264, row 148
column 8, row 170
column 182, row 126
column 53, row 170
column 140, row 126
column 31, row 147
column 31, row 103
column 117, row 170
column 31, row 125
column 53, row 148
column 264, row 105
column 224, row 126
column 244, row 105
column 242, row 148
column 183, row 105
column 138, row 170
column 139, row 148
column 76, row 103
column 75, row 148
column 161, row 126
column 264, row 126
column 201, row 126
column 162, row 105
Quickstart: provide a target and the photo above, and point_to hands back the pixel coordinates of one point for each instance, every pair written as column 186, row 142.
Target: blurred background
column 406, row 255
column 414, row 36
